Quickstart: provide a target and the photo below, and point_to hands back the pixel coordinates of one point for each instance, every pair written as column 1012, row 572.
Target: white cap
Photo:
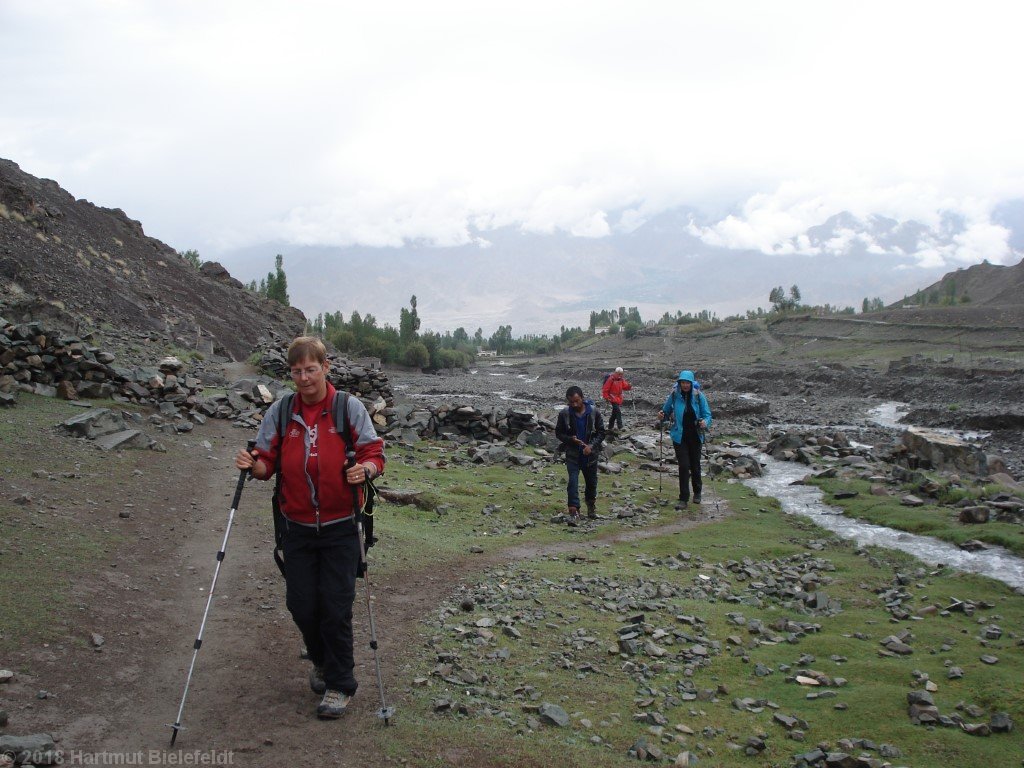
column 619, row 369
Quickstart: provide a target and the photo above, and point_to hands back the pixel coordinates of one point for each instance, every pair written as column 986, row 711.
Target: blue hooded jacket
column 675, row 405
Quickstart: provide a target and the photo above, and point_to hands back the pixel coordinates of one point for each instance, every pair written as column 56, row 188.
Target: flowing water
column 807, row 500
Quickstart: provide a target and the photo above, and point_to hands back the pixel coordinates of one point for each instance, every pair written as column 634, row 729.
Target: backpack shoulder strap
column 339, row 414
column 284, row 415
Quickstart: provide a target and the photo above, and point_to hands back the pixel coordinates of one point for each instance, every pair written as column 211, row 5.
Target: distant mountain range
column 539, row 282
column 66, row 258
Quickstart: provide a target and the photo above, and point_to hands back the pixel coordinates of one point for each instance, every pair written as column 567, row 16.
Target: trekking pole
column 209, row 598
column 385, row 712
column 707, row 463
column 661, row 451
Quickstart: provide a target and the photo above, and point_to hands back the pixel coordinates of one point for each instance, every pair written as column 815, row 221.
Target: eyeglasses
column 298, row 373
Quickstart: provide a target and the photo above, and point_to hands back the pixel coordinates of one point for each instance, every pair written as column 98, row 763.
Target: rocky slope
column 88, row 267
column 986, row 284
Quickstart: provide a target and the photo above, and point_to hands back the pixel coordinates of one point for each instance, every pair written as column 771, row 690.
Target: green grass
column 519, row 505
column 548, row 614
column 930, row 519
column 44, row 545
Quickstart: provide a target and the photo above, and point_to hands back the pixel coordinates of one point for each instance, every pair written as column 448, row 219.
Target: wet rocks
column 942, row 451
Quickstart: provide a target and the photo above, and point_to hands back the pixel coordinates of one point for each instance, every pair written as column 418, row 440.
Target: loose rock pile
column 465, row 423
column 40, row 359
column 497, row 621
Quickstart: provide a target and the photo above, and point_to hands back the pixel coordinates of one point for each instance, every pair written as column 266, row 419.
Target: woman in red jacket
column 318, row 496
column 612, row 391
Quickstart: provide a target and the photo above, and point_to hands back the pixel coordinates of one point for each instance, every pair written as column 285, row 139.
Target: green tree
column 501, row 339
column 950, row 297
column 409, row 323
column 277, row 282
column 632, row 328
column 417, row 355
column 343, row 339
column 191, row 256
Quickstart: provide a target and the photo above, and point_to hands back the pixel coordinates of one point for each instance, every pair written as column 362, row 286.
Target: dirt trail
column 249, row 693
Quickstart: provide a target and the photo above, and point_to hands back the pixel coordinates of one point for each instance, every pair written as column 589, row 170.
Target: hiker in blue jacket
column 580, row 430
column 690, row 417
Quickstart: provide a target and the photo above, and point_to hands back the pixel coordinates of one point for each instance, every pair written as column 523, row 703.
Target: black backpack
column 363, row 515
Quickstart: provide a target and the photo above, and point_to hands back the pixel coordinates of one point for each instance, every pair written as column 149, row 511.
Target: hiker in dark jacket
column 318, row 495
column 580, row 430
column 690, row 416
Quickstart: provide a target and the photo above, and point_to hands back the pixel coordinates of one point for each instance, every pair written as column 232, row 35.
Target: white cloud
column 218, row 124
column 777, row 223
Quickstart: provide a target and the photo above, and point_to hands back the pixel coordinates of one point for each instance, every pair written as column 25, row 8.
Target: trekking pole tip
column 385, row 714
column 174, row 733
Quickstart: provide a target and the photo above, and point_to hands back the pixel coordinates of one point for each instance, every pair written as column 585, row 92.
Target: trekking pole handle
column 243, row 475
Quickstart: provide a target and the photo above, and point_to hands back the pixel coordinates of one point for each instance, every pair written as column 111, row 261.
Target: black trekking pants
column 616, row 416
column 688, row 458
column 320, row 573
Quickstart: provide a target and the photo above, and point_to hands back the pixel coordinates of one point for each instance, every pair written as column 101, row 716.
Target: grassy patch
column 46, row 543
column 930, row 519
column 568, row 613
column 476, row 507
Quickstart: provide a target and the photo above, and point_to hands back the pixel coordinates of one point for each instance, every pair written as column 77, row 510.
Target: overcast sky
column 224, row 124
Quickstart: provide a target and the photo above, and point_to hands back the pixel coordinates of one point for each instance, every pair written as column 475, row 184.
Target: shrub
column 417, row 355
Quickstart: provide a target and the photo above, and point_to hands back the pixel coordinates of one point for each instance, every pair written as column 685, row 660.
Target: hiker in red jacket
column 319, row 494
column 612, row 391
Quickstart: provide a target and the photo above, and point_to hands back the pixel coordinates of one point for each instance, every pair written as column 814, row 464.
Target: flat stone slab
column 128, row 438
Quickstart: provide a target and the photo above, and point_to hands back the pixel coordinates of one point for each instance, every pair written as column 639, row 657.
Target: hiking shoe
column 696, row 499
column 316, row 680
column 591, row 511
column 681, row 504
column 333, row 705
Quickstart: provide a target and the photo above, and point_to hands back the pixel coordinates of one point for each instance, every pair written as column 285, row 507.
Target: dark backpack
column 363, row 515
column 605, row 379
